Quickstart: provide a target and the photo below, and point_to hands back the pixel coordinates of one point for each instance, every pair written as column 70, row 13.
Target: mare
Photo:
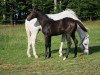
column 66, row 26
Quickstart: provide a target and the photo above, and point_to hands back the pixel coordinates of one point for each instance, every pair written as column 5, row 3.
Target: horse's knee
column 69, row 43
column 76, row 41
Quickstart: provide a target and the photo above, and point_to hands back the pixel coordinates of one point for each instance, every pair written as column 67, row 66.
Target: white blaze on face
column 85, row 45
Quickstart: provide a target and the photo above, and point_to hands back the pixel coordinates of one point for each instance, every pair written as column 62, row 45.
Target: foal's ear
column 34, row 9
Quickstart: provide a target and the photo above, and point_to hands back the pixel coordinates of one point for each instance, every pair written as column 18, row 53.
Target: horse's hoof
column 36, row 57
column 29, row 56
column 46, row 58
column 64, row 58
column 75, row 56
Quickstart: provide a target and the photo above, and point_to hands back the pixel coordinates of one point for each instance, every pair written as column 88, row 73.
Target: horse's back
column 63, row 14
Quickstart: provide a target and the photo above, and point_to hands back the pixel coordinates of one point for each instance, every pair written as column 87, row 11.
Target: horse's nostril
column 86, row 52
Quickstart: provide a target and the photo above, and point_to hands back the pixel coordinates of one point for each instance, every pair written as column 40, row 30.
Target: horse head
column 85, row 45
column 32, row 15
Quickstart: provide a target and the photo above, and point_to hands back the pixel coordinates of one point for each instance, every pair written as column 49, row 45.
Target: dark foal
column 66, row 26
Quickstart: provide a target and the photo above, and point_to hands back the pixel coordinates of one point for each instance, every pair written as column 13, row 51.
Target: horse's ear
column 33, row 6
column 34, row 9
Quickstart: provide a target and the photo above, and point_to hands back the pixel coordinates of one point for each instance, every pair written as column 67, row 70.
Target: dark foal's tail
column 81, row 25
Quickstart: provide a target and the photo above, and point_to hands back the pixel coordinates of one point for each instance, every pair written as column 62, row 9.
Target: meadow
column 14, row 61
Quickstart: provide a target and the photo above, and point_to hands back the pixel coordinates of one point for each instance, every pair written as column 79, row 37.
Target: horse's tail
column 81, row 25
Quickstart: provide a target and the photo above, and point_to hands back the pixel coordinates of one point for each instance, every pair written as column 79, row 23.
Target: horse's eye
column 85, row 44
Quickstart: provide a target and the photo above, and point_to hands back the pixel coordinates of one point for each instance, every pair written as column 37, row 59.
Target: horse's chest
column 46, row 30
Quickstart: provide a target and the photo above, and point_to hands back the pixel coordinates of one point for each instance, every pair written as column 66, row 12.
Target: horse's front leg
column 47, row 46
column 61, row 45
column 68, row 38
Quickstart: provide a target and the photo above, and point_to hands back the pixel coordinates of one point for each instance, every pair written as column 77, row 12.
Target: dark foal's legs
column 75, row 42
column 68, row 38
column 48, row 47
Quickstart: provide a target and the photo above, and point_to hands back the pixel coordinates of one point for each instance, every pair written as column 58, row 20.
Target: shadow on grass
column 64, row 50
column 94, row 49
column 91, row 50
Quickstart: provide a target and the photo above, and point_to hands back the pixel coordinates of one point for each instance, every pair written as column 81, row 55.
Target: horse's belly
column 56, row 33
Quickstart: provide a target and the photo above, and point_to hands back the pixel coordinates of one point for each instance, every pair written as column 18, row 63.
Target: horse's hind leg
column 75, row 42
column 61, row 45
column 68, row 44
column 29, row 42
column 28, row 47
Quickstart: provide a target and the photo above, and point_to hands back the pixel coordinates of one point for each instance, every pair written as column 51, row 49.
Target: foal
column 66, row 26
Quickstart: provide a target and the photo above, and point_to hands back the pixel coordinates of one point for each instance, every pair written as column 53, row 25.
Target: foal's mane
column 42, row 14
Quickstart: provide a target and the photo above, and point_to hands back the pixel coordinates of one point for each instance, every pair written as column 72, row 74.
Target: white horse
column 32, row 27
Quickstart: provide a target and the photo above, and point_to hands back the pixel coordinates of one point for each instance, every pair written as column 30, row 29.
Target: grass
column 14, row 61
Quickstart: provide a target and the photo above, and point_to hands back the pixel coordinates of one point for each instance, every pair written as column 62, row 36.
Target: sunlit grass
column 14, row 61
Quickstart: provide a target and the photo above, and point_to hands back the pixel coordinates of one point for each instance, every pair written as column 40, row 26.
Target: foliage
column 85, row 9
column 43, row 5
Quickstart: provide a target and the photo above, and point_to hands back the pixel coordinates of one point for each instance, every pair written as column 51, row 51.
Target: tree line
column 16, row 11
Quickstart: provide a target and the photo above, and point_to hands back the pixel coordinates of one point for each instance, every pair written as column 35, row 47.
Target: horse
column 66, row 26
column 32, row 27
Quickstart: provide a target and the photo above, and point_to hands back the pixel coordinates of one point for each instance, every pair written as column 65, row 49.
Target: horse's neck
column 81, row 33
column 43, row 19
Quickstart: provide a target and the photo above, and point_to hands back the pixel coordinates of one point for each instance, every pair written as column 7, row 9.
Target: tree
column 17, row 10
column 55, row 6
column 3, row 9
column 85, row 9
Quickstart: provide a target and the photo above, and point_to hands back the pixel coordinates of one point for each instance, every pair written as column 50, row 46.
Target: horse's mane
column 44, row 15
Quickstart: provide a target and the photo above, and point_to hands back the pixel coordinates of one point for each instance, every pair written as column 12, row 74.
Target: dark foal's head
column 32, row 15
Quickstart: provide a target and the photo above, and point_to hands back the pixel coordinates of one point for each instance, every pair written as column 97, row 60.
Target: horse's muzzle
column 86, row 52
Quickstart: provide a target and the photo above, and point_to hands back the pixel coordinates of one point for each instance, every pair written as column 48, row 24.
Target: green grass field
column 14, row 61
